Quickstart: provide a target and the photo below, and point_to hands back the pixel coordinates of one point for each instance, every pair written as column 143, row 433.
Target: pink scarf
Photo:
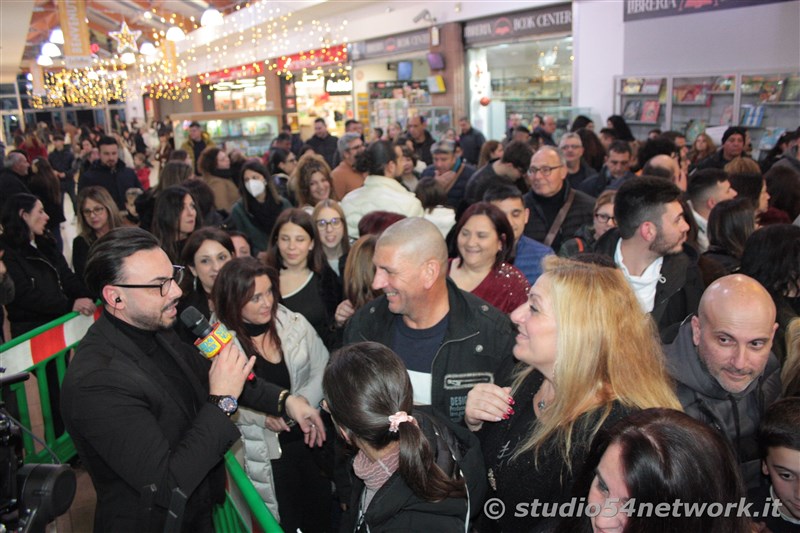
column 375, row 473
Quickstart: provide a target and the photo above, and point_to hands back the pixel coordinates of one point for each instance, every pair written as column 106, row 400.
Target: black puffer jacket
column 735, row 415
column 395, row 507
column 46, row 288
column 679, row 289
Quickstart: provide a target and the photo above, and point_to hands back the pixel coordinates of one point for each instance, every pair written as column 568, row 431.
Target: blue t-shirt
column 417, row 348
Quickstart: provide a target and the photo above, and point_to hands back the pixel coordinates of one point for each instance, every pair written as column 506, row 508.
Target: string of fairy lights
column 255, row 35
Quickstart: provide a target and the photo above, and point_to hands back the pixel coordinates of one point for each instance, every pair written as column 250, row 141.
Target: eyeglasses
column 164, row 286
column 95, row 211
column 546, row 171
column 602, row 217
column 571, row 147
column 335, row 222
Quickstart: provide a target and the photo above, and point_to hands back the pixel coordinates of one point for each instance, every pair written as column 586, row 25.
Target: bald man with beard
column 722, row 362
column 449, row 339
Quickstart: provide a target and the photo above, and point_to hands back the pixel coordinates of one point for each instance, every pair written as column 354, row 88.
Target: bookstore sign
column 407, row 42
column 648, row 9
column 551, row 19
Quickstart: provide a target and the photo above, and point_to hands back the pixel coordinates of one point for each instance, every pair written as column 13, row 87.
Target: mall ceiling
column 26, row 25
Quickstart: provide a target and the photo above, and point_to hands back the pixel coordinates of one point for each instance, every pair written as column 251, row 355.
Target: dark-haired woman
column 281, row 165
column 45, row 287
column 484, row 241
column 307, row 284
column 172, row 173
column 620, row 127
column 45, row 185
column 772, row 257
column 215, row 170
column 205, row 253
column 175, row 218
column 652, row 458
column 255, row 213
column 730, row 223
column 411, row 467
column 289, row 354
column 381, row 191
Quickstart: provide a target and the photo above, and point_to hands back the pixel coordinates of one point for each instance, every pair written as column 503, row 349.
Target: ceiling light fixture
column 175, row 34
column 50, row 50
column 44, row 61
column 57, row 36
column 211, row 17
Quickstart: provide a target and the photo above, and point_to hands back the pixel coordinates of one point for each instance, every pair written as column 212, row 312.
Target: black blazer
column 132, row 428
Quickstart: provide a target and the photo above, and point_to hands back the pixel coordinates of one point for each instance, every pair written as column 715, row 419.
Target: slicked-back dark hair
column 107, row 254
column 642, row 199
column 702, row 181
column 374, row 159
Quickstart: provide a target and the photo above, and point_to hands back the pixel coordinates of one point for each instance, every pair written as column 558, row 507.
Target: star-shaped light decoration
column 126, row 39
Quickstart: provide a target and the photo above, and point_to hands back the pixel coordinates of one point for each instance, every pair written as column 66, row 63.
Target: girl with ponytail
column 413, row 472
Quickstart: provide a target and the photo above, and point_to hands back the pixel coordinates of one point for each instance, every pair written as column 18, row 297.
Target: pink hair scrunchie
column 398, row 418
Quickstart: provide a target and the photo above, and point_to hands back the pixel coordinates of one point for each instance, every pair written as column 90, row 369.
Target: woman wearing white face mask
column 255, row 213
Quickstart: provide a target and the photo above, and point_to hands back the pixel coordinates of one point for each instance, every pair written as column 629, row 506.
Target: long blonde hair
column 790, row 375
column 607, row 350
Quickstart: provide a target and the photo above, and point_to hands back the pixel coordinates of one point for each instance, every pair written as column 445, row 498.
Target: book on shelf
column 651, row 86
column 752, row 84
column 632, row 85
column 752, row 116
column 771, row 91
column 650, row 110
column 691, row 94
column 694, row 128
column 723, row 83
column 632, row 110
column 791, row 90
column 727, row 116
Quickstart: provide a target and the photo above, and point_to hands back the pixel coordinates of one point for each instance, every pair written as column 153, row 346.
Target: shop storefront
column 316, row 84
column 520, row 64
column 395, row 78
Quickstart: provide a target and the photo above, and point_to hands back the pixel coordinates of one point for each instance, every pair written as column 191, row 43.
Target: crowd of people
column 428, row 325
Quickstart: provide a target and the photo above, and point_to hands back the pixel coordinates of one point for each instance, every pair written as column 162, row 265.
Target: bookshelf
column 767, row 103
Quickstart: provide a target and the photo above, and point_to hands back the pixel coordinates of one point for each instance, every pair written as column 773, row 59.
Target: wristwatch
column 228, row 404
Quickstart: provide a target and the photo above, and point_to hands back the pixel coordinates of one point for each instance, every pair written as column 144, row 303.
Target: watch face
column 228, row 404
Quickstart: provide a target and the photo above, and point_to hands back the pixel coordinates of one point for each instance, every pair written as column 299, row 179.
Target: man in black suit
column 145, row 408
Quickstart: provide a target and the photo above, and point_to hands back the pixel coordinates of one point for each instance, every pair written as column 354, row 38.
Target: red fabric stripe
column 46, row 344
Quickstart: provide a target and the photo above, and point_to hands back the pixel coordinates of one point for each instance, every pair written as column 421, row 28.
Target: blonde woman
column 586, row 357
column 790, row 375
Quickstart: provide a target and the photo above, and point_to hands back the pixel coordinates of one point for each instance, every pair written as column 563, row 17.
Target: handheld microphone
column 210, row 338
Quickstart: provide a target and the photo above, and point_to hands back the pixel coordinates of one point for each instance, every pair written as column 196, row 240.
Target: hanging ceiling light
column 57, row 36
column 50, row 50
column 175, row 34
column 128, row 58
column 44, row 61
column 147, row 49
column 211, row 17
